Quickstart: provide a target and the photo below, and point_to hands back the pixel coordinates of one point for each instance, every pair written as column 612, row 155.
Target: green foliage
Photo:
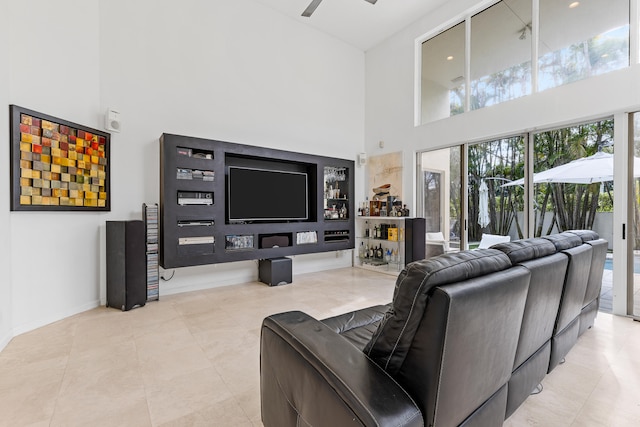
column 566, row 205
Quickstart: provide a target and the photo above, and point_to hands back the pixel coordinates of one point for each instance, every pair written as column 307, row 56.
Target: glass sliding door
column 439, row 193
column 634, row 235
column 573, row 179
column 573, row 186
column 496, row 190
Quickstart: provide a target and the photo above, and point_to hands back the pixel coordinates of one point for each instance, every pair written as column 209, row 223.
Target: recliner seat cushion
column 392, row 339
column 358, row 326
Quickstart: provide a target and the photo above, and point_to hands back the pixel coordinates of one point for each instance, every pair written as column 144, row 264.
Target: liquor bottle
column 379, row 252
column 361, row 250
column 366, row 229
column 366, row 207
column 365, row 252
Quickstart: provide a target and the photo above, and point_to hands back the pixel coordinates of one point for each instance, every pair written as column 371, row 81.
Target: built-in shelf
column 194, row 204
column 400, row 239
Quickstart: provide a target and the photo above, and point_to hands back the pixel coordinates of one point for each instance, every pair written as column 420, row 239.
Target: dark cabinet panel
column 195, row 224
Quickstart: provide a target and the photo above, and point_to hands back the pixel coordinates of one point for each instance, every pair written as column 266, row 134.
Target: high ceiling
column 357, row 22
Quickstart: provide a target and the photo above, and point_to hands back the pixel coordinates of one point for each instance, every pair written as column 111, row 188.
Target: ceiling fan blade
column 372, row 1
column 312, row 7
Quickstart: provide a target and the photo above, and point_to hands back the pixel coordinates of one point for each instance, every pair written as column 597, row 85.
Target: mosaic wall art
column 57, row 165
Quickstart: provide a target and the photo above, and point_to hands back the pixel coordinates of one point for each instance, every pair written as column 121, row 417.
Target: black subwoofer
column 275, row 271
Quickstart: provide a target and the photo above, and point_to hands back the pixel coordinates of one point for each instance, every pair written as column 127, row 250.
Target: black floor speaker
column 275, row 271
column 126, row 265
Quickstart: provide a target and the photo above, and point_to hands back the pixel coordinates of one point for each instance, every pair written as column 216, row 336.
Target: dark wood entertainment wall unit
column 195, row 224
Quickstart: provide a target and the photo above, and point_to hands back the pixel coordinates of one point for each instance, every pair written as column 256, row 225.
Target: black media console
column 224, row 202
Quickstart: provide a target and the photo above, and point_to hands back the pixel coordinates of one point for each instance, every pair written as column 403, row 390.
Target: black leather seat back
column 548, row 269
column 391, row 341
column 598, row 259
column 594, row 285
column 462, row 352
column 575, row 285
column 567, row 325
column 465, row 335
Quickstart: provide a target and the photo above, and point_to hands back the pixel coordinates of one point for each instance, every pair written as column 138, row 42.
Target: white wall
column 390, row 98
column 54, row 256
column 233, row 71
column 228, row 70
column 5, row 218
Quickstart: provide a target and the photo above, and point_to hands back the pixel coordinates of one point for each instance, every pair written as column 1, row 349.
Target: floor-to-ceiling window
column 440, row 188
column 634, row 279
column 494, row 206
column 573, row 178
column 571, row 187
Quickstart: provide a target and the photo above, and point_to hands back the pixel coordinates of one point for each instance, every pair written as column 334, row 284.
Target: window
column 439, row 187
column 443, row 75
column 573, row 41
column 496, row 201
column 567, row 198
column 581, row 39
column 501, row 53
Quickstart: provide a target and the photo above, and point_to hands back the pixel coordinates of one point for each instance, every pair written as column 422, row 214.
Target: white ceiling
column 357, row 22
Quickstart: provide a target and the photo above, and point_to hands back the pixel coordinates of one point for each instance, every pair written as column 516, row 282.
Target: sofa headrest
column 585, row 235
column 524, row 250
column 393, row 337
column 458, row 266
column 564, row 240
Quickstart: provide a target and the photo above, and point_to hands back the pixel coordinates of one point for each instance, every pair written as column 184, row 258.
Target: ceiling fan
column 314, row 4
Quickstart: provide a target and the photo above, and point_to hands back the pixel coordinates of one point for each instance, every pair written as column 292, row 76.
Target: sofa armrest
column 310, row 375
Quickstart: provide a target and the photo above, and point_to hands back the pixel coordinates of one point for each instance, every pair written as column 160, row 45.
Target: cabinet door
column 336, row 193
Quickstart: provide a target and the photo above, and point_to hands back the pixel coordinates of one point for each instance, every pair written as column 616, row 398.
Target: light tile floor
column 192, row 360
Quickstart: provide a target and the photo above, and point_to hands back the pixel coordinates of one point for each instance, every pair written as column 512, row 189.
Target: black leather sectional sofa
column 466, row 339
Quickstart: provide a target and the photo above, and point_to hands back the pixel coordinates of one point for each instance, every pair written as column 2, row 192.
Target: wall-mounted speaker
column 112, row 120
column 362, row 158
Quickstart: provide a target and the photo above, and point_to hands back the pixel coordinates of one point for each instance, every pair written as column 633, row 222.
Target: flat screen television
column 266, row 195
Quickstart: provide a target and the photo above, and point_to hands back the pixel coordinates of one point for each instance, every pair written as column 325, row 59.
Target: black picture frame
column 57, row 165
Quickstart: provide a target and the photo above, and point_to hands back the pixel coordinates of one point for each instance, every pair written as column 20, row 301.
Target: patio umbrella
column 483, row 209
column 586, row 170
